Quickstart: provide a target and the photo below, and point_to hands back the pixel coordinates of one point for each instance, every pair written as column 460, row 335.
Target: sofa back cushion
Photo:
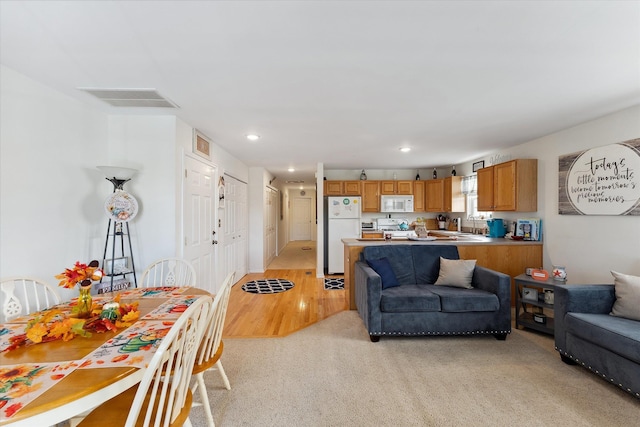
column 399, row 257
column 426, row 259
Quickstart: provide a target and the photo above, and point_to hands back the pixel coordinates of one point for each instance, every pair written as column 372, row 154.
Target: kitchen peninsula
column 504, row 255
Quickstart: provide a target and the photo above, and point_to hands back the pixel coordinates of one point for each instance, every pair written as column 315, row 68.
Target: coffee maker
column 496, row 227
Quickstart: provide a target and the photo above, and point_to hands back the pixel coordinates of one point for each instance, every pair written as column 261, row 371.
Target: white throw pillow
column 627, row 289
column 456, row 272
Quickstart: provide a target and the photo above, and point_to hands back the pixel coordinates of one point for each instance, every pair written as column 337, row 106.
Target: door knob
column 214, row 242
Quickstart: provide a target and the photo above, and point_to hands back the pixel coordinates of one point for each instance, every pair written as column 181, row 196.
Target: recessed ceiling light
column 253, row 137
column 405, row 149
column 291, row 170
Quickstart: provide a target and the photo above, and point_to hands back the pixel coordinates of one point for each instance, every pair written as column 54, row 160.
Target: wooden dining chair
column 24, row 295
column 169, row 272
column 212, row 347
column 163, row 397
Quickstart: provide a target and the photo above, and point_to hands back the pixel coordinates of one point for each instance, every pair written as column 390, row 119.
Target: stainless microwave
column 396, row 203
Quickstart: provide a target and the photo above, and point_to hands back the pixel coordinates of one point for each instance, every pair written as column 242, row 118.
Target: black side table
column 531, row 305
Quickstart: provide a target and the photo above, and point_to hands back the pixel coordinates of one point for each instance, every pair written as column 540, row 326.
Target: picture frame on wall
column 201, row 145
column 478, row 165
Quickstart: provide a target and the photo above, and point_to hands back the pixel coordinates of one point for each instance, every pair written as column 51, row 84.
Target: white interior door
column 233, row 220
column 270, row 230
column 301, row 219
column 199, row 221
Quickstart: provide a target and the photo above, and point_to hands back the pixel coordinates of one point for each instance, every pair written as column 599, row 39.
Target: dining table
column 49, row 382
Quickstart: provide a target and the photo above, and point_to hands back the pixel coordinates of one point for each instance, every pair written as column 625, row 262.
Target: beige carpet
column 297, row 255
column 330, row 374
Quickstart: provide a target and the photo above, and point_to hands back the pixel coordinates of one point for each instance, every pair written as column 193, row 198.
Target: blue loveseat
column 417, row 306
column 586, row 334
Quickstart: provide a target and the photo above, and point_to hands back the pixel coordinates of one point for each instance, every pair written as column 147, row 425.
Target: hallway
column 277, row 315
column 296, row 255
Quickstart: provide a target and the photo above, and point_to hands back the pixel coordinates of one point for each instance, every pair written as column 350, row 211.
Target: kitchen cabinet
column 454, row 200
column 333, row 188
column 444, row 195
column 418, row 196
column 509, row 186
column 352, row 188
column 370, row 196
column 396, row 187
column 434, row 195
column 342, row 188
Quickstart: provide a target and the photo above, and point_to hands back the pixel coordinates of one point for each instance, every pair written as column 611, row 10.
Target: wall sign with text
column 601, row 181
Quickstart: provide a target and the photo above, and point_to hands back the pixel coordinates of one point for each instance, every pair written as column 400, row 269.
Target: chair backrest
column 213, row 334
column 24, row 295
column 165, row 384
column 169, row 272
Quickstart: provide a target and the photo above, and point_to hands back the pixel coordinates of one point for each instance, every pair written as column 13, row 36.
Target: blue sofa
column 418, row 307
column 586, row 334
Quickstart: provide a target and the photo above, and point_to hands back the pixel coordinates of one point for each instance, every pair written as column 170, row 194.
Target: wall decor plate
column 121, row 206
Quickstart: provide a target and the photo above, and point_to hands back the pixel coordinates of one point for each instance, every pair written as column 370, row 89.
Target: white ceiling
column 342, row 83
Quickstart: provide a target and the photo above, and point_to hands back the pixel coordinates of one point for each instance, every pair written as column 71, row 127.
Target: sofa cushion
column 456, row 272
column 456, row 300
column 383, row 267
column 627, row 290
column 619, row 335
column 409, row 298
column 426, row 261
column 400, row 258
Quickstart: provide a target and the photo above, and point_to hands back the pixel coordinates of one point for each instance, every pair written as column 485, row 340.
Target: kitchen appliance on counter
column 397, row 227
column 496, row 227
column 343, row 215
column 392, row 204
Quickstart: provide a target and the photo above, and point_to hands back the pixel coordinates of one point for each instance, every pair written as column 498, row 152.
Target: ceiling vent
column 146, row 98
column 295, row 182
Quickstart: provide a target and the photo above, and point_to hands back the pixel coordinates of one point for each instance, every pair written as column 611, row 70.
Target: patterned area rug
column 333, row 283
column 267, row 286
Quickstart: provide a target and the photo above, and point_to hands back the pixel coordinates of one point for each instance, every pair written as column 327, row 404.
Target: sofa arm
column 597, row 299
column 498, row 284
column 368, row 288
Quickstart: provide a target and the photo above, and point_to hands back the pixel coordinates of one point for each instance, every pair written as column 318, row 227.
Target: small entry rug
column 333, row 283
column 267, row 286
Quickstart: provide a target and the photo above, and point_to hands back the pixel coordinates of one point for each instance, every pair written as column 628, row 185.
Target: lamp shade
column 118, row 172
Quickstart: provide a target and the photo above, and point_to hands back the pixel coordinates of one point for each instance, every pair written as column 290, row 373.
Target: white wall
column 588, row 246
column 147, row 143
column 52, row 195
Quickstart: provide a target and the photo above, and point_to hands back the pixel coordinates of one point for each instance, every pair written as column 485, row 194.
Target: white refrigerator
column 343, row 222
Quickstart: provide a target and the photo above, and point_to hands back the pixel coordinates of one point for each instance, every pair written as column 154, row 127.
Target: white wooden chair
column 161, row 399
column 24, row 295
column 169, row 272
column 212, row 347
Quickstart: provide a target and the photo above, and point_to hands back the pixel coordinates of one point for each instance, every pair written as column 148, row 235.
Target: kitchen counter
column 459, row 241
column 508, row 256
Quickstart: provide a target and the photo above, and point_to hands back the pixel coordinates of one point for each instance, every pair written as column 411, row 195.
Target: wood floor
column 277, row 315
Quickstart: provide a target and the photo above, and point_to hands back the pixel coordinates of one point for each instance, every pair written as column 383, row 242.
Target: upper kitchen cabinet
column 434, row 195
column 444, row 195
column 454, row 200
column 396, row 187
column 418, row 196
column 370, row 196
column 333, row 188
column 352, row 188
column 509, row 186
